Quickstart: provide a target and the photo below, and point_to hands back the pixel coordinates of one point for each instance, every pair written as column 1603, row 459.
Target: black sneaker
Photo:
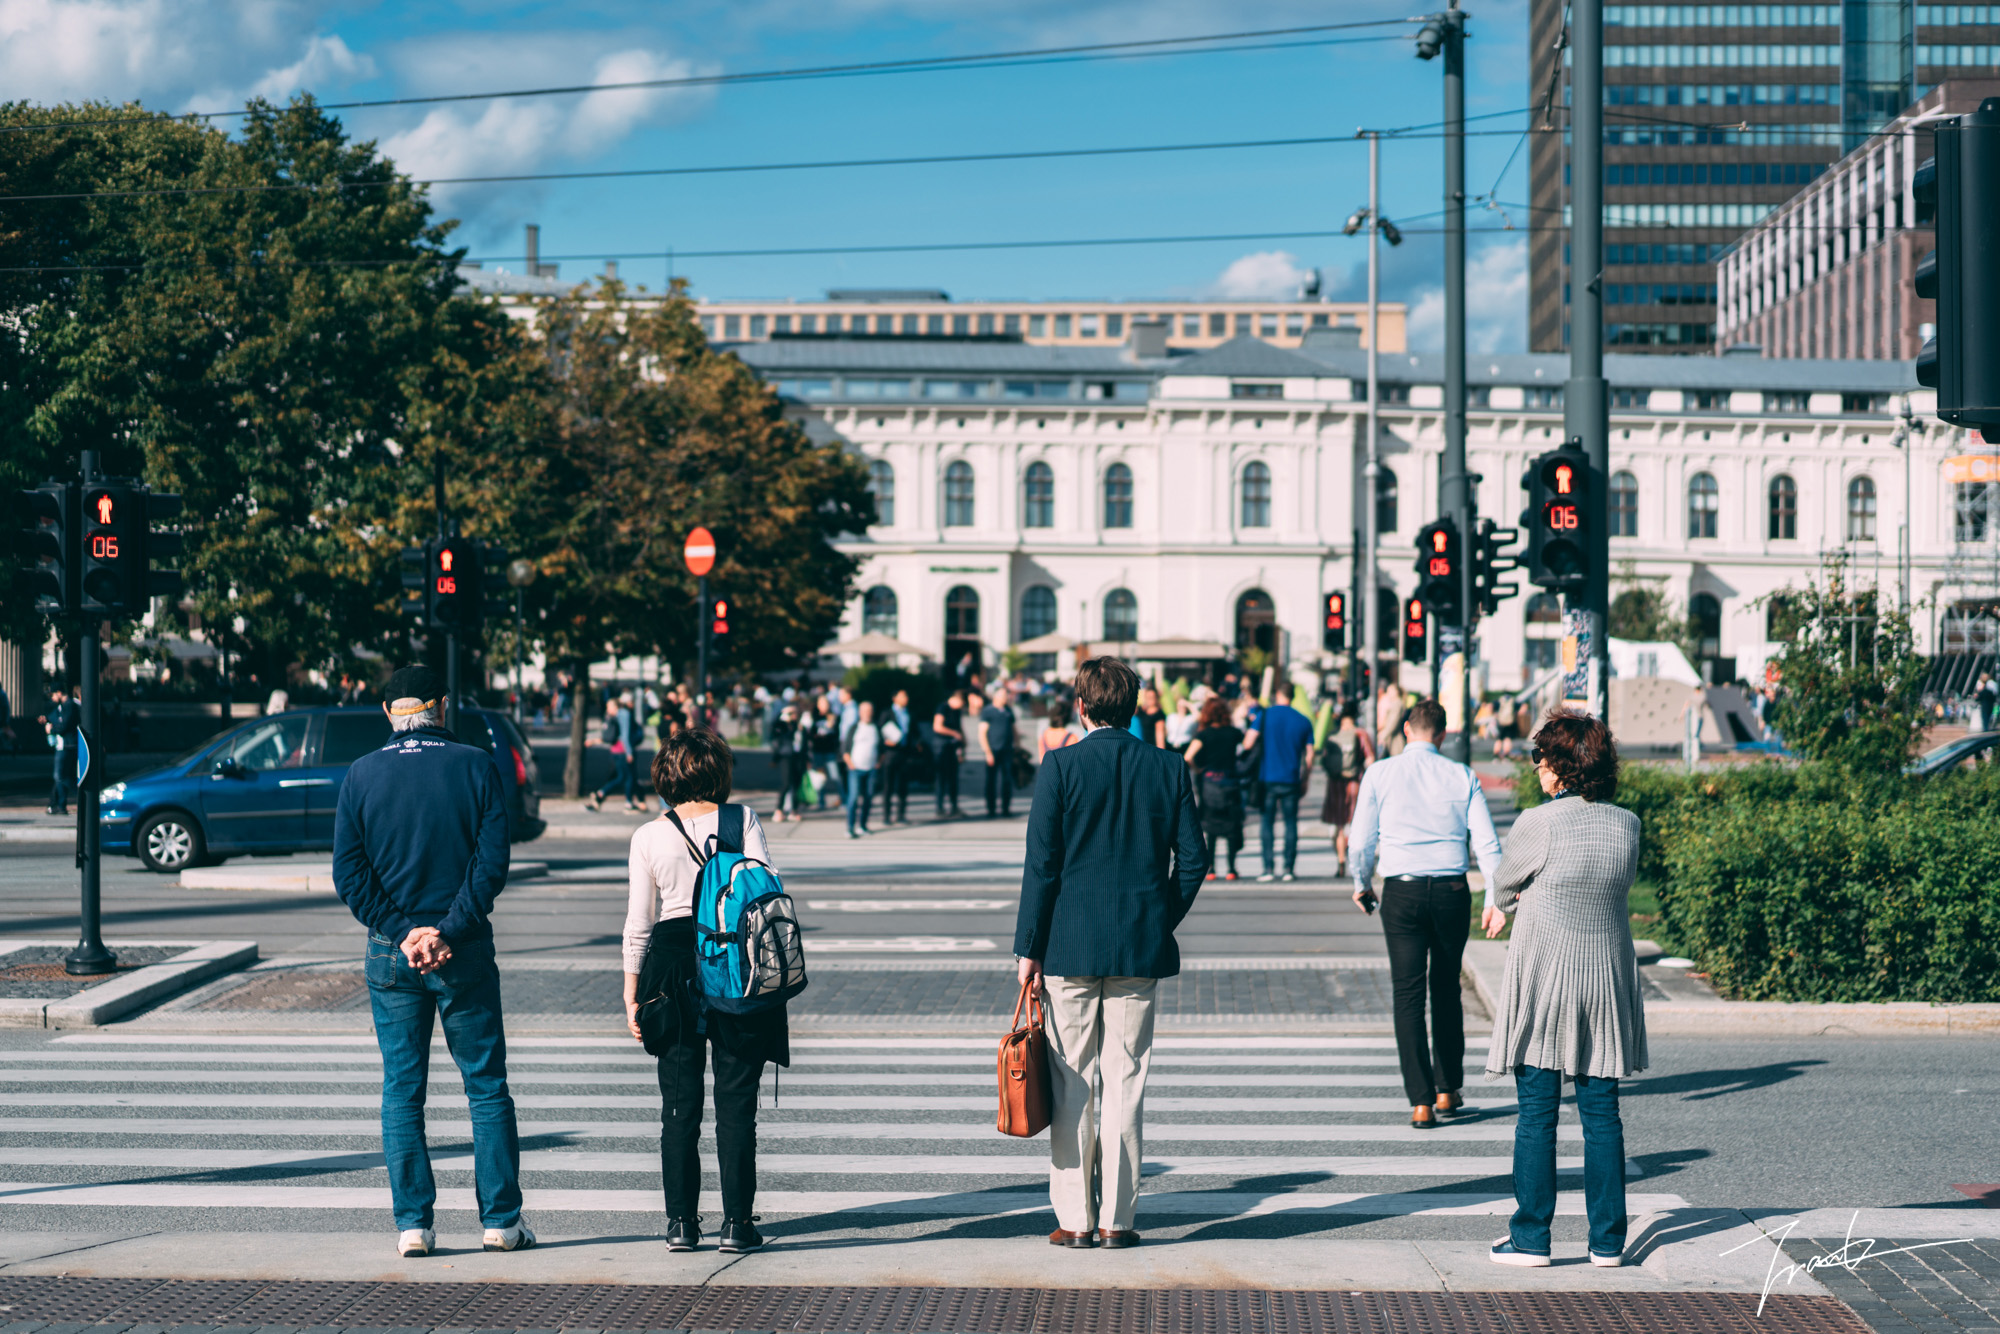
column 738, row 1235
column 683, row 1234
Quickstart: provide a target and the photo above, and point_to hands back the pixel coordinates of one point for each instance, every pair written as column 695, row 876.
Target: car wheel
column 170, row 842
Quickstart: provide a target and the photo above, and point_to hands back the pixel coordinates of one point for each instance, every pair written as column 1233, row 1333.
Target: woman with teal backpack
column 664, row 1008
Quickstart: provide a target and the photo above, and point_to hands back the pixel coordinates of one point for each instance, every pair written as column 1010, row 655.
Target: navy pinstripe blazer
column 1114, row 860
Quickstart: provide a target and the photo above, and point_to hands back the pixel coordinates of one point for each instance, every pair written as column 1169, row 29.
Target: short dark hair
column 1282, row 690
column 1107, row 692
column 694, row 765
column 1427, row 716
column 1581, row 754
column 1059, row 713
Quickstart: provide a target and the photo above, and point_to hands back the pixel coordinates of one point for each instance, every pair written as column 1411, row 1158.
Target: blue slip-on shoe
column 1504, row 1253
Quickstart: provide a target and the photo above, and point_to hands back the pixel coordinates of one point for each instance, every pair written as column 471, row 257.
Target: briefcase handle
column 1031, row 998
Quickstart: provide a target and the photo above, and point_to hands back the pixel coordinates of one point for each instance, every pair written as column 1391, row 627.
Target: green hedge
column 1804, row 884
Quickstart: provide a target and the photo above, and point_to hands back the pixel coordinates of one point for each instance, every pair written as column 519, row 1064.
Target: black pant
column 894, row 784
column 1000, row 787
column 1425, row 925
column 736, row 1080
column 1217, row 841
column 946, row 782
column 65, row 778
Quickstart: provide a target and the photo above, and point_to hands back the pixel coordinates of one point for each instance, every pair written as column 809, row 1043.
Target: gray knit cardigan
column 1569, row 999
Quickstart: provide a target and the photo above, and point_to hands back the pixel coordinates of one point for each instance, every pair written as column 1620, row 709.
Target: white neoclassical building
column 1103, row 494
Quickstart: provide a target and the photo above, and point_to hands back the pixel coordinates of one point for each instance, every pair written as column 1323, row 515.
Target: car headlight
column 116, row 792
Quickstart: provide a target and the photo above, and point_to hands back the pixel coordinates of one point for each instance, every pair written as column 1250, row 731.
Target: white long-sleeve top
column 663, row 875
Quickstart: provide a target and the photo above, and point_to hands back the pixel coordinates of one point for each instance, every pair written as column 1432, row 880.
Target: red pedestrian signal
column 1416, row 631
column 1333, row 637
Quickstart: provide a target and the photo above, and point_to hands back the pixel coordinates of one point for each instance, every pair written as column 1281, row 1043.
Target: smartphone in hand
column 1368, row 901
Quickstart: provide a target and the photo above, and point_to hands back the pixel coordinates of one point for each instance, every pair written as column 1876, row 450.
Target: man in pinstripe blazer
column 1114, row 860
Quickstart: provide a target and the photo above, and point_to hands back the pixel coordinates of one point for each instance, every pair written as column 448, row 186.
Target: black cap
column 417, row 682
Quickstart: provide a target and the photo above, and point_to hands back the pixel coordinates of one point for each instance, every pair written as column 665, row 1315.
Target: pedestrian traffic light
column 719, row 626
column 496, row 598
column 1558, row 518
column 415, row 580
column 1489, row 562
column 1333, row 638
column 1416, row 635
column 456, row 591
column 53, row 522
column 1961, row 186
column 1439, row 554
column 114, row 549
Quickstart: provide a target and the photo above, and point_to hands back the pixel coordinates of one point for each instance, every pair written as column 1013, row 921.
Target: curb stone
column 137, row 989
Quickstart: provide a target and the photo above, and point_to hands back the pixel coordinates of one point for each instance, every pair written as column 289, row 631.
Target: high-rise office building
column 1715, row 115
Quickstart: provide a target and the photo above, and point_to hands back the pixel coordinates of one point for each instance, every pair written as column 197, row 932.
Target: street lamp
column 520, row 573
column 1907, row 429
column 1370, row 217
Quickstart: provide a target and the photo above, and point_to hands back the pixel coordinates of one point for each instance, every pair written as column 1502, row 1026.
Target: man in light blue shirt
column 1412, row 819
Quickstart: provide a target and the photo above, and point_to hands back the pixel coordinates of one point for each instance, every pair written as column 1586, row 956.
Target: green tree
column 1644, row 614
column 1850, row 681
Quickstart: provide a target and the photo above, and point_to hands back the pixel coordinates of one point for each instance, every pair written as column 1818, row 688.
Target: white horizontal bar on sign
column 649, row 1129
column 1207, row 1204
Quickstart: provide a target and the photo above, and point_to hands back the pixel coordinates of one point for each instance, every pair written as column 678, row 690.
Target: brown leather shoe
column 1081, row 1241
column 1422, row 1117
column 1449, row 1104
column 1113, row 1239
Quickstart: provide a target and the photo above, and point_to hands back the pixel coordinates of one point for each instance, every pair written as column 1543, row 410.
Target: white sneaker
column 1266, row 878
column 1607, row 1261
column 416, row 1241
column 515, row 1238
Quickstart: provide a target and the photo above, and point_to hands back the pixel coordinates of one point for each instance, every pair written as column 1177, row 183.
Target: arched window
column 961, row 628
column 1706, row 614
column 1121, row 616
column 1544, row 631
column 1257, row 619
column 1038, row 612
column 1118, row 496
column 1861, row 510
column 1784, row 507
column 1385, row 501
column 878, row 611
column 1038, row 508
column 1702, row 505
column 1256, row 496
column 1624, row 505
column 882, row 486
column 958, row 495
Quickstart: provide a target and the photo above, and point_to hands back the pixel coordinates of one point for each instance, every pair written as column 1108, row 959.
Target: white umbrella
column 877, row 645
column 1048, row 643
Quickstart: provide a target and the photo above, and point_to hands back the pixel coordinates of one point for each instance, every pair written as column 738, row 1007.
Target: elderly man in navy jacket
column 419, row 855
column 1114, row 861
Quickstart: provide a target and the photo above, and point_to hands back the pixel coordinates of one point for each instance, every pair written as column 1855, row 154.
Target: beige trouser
column 1100, row 1032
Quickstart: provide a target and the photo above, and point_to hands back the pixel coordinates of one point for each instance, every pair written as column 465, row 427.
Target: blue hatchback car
column 270, row 787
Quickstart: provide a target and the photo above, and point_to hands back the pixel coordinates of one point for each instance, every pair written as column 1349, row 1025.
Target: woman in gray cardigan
column 1569, row 1001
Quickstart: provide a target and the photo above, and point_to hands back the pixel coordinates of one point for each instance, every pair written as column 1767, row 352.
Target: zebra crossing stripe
column 296, row 1042
column 611, row 1079
column 43, row 1060
column 785, row 1102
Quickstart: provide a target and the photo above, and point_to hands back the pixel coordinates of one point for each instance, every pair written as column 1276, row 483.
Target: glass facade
column 1877, row 65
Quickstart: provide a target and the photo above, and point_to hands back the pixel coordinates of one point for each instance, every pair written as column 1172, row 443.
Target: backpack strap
column 729, row 828
column 693, row 851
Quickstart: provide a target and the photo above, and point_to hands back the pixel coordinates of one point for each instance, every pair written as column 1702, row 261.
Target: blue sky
column 182, row 55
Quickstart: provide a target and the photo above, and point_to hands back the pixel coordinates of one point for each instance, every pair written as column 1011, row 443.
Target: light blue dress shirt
column 1413, row 815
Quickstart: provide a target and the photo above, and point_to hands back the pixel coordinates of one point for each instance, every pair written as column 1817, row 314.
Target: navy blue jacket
column 1114, row 860
column 420, row 837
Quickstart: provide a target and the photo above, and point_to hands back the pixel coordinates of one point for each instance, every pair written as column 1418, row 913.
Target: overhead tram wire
column 1157, row 46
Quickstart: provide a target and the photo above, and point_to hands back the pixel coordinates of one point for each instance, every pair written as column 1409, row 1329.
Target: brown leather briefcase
column 1024, row 1070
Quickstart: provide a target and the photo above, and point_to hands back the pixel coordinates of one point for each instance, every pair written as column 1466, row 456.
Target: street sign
column 84, row 758
column 700, row 552
column 1972, row 468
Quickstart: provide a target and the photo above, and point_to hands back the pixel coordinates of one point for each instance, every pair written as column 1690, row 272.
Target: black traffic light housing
column 1490, row 560
column 114, row 549
column 1558, row 518
column 53, row 519
column 721, row 623
column 161, row 507
column 455, row 586
column 1439, row 552
column 1416, row 634
column 1960, row 186
column 1333, row 635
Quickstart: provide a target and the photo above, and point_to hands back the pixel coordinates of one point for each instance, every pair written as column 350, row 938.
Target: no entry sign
column 700, row 552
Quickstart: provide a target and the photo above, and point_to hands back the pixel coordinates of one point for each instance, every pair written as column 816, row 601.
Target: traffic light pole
column 701, row 641
column 1586, row 407
column 451, row 681
column 90, row 957
column 1371, row 472
column 1455, row 485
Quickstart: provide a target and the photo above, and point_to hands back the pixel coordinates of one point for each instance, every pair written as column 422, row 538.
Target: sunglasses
column 1534, row 754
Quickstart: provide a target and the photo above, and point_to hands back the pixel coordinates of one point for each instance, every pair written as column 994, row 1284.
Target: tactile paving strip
column 612, row 1307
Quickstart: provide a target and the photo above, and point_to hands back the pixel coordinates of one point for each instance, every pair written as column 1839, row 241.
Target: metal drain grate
column 611, row 1307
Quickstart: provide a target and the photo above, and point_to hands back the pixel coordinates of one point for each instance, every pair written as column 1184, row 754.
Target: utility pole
column 1371, row 473
column 1586, row 406
column 1455, row 484
column 90, row 957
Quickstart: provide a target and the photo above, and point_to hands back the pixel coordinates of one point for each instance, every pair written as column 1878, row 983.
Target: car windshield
column 1944, row 753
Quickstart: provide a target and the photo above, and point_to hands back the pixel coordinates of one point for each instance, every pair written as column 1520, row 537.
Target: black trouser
column 946, row 782
column 1425, row 921
column 1219, row 840
column 65, row 779
column 895, row 785
column 1000, row 786
column 736, row 1082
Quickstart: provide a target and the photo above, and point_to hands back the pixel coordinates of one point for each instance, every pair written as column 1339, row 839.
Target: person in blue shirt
column 1287, row 735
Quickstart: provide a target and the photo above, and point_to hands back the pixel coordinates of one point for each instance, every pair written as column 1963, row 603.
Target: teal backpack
column 749, row 954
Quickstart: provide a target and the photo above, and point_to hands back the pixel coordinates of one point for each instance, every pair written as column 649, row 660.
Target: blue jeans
column 860, row 796
column 1540, row 1094
column 465, row 994
column 1277, row 797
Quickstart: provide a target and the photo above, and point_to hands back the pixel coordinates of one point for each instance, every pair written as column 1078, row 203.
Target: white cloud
column 1496, row 303
column 1268, row 275
column 328, row 62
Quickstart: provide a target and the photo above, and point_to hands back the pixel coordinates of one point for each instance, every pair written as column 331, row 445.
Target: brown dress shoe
column 1449, row 1103
column 1422, row 1117
column 1115, row 1239
column 1081, row 1241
